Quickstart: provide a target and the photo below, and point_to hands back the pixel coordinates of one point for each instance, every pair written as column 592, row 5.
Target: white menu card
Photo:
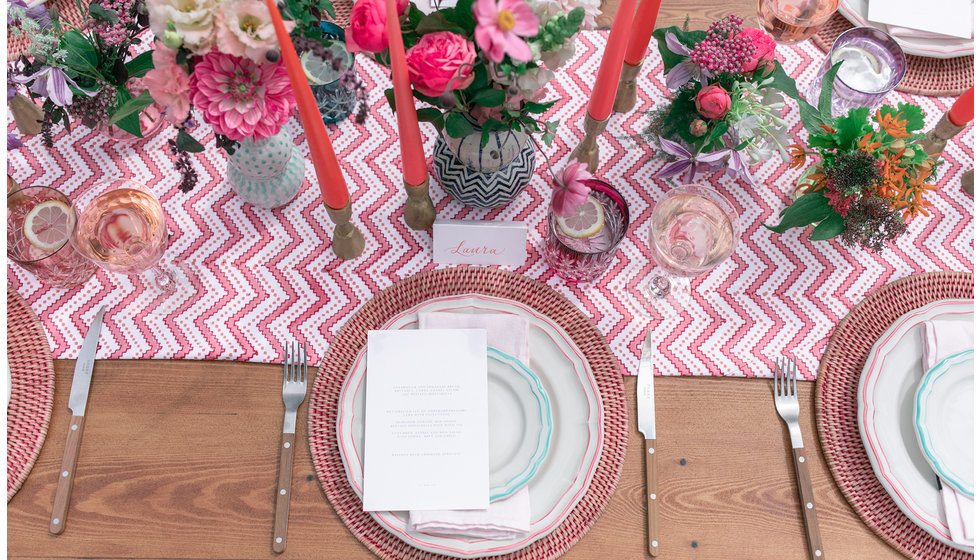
column 946, row 17
column 426, row 443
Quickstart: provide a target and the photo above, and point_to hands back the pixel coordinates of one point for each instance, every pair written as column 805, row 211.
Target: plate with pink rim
column 885, row 408
column 564, row 475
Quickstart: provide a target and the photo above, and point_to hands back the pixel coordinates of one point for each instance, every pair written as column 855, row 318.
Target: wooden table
column 179, row 460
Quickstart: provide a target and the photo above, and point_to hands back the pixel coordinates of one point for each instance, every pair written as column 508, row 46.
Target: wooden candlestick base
column 348, row 241
column 626, row 92
column 419, row 211
column 967, row 182
column 587, row 150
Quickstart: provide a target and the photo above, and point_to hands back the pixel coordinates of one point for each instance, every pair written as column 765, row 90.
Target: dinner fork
column 788, row 407
column 293, row 394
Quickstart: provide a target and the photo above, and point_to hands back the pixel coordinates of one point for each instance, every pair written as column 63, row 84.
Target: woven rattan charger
column 457, row 281
column 32, row 393
column 836, row 406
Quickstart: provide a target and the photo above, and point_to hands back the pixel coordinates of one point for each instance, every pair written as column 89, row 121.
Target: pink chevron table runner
column 268, row 276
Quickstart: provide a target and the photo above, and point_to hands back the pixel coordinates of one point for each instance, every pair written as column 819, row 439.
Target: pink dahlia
column 500, row 26
column 239, row 98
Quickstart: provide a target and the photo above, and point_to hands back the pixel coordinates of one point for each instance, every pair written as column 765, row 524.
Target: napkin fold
column 508, row 517
column 941, row 339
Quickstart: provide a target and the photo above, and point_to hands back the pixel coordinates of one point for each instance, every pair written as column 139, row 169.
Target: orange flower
column 866, row 145
column 892, row 125
column 815, row 181
column 828, row 129
column 798, row 155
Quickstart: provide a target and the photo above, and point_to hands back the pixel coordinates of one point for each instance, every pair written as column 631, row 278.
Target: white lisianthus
column 532, row 82
column 243, row 28
column 193, row 20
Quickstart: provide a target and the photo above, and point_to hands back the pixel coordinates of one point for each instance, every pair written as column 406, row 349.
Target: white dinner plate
column 564, row 475
column 944, row 420
column 520, row 423
column 935, row 46
column 885, row 401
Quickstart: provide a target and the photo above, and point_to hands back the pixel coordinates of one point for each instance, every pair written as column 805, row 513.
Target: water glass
column 585, row 259
column 873, row 64
column 40, row 222
column 792, row 21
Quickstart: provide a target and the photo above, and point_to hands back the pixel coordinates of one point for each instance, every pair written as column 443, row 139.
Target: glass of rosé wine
column 793, row 21
column 693, row 229
column 122, row 228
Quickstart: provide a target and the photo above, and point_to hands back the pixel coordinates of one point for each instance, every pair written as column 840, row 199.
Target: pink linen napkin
column 508, row 517
column 941, row 339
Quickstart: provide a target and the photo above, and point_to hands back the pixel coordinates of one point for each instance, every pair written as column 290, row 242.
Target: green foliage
column 187, row 143
column 458, row 126
column 805, row 210
column 140, row 64
column 131, row 106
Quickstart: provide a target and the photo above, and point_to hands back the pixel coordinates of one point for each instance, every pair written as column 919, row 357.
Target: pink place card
column 479, row 242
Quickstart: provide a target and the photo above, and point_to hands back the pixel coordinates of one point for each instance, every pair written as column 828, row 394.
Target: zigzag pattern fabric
column 482, row 190
column 269, row 276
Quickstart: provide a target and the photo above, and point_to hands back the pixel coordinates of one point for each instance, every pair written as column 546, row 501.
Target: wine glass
column 693, row 229
column 792, row 21
column 121, row 227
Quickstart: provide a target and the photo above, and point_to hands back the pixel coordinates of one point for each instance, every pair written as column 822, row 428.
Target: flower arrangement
column 482, row 65
column 870, row 178
column 87, row 72
column 726, row 110
column 221, row 58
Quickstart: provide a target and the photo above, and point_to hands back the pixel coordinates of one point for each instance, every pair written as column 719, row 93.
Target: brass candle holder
column 587, row 150
column 419, row 210
column 348, row 241
column 626, row 92
column 935, row 140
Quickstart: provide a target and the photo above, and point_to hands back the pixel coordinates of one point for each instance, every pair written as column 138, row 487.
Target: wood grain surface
column 180, row 460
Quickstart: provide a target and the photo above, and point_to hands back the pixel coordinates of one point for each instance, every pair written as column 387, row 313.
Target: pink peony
column 367, row 26
column 570, row 189
column 169, row 84
column 500, row 26
column 713, row 102
column 763, row 47
column 440, row 62
column 239, row 98
column 244, row 28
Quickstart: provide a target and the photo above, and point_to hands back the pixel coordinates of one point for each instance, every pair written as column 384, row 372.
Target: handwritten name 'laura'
column 465, row 251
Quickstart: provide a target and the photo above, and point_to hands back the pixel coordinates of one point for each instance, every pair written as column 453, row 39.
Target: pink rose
column 367, row 26
column 440, row 62
column 763, row 48
column 713, row 102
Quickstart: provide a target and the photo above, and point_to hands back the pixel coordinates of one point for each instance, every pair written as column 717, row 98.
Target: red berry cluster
column 724, row 50
column 94, row 111
column 115, row 33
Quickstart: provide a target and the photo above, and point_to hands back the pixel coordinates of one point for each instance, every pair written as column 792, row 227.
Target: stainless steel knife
column 77, row 400
column 646, row 420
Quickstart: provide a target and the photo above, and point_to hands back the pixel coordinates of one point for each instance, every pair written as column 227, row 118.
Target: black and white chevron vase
column 486, row 189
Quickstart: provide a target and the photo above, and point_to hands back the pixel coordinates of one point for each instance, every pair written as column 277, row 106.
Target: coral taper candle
column 409, row 136
column 333, row 186
column 962, row 110
column 607, row 79
column 640, row 32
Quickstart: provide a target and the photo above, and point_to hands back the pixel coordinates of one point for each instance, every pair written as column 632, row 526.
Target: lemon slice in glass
column 586, row 221
column 48, row 225
column 321, row 72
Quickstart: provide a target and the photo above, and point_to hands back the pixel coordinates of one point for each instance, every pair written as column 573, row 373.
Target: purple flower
column 52, row 83
column 685, row 71
column 736, row 166
column 13, row 142
column 36, row 13
column 688, row 162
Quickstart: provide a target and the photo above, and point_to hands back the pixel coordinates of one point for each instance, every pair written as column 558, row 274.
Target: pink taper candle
column 333, row 186
column 409, row 136
column 962, row 110
column 607, row 79
column 643, row 23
